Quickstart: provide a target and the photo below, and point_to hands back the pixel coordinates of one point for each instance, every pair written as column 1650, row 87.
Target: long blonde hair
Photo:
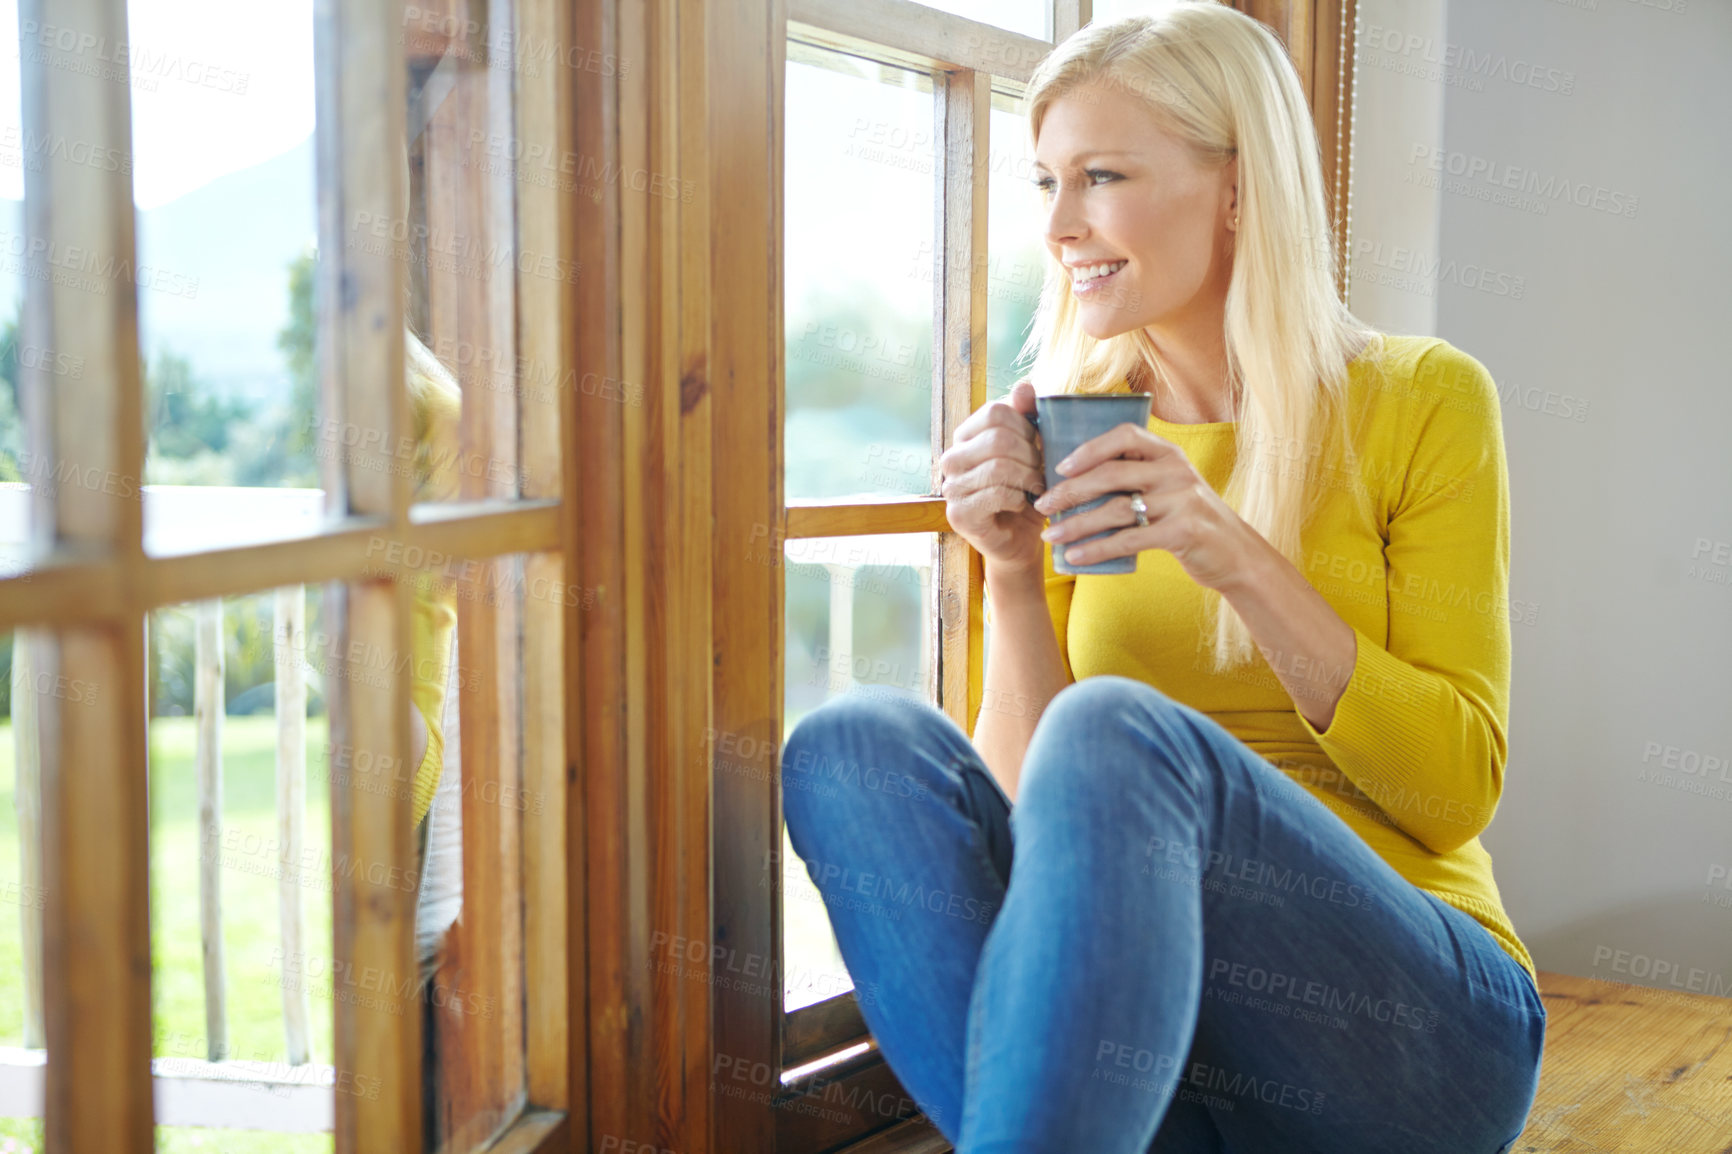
column 1223, row 84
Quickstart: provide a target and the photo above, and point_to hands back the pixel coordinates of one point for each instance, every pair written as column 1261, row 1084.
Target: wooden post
column 89, row 428
column 208, row 714
column 360, row 91
column 27, row 801
column 289, row 634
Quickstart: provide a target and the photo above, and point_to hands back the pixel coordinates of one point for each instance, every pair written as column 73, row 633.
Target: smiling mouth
column 1088, row 286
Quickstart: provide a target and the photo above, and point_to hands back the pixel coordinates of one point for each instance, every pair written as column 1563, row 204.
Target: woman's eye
column 1045, row 183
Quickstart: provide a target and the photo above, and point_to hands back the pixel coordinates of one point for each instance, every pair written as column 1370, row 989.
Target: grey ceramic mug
column 1066, row 421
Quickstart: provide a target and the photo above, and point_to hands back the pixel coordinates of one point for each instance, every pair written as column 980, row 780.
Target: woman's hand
column 985, row 476
column 1187, row 518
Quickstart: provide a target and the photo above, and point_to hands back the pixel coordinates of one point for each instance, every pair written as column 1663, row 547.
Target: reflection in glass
column 860, row 249
column 858, row 622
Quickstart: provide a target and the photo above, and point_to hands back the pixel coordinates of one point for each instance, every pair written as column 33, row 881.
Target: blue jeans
column 1192, row 953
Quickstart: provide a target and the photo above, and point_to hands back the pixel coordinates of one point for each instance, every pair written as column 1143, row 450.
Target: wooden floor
column 1627, row 1070
column 1631, row 1068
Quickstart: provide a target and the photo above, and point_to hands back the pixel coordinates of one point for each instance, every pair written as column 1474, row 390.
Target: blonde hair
column 432, row 390
column 1223, row 84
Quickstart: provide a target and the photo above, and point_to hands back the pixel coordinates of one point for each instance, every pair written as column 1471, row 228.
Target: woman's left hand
column 1187, row 518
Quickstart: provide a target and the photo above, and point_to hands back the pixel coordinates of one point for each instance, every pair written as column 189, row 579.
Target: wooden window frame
column 91, row 586
column 677, row 502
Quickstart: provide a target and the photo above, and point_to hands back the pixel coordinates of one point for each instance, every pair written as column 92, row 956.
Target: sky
column 217, row 86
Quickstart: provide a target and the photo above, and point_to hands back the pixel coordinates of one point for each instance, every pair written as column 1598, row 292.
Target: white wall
column 1604, row 331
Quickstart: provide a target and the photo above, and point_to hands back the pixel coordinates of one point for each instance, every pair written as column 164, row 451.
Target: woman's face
column 1122, row 191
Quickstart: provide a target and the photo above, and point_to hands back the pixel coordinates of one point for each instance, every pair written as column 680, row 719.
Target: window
column 283, row 510
column 858, row 451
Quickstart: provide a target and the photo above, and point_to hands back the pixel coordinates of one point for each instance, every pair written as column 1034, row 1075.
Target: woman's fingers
column 999, row 439
column 982, row 506
column 994, row 472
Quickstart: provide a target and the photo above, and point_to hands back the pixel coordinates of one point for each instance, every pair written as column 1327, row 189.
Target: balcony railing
column 192, row 1089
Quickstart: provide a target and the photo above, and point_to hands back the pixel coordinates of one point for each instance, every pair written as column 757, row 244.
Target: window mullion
column 964, row 111
column 1069, row 16
column 361, row 81
column 87, row 428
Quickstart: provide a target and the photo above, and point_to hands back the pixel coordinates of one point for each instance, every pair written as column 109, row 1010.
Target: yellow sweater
column 435, row 405
column 1414, row 756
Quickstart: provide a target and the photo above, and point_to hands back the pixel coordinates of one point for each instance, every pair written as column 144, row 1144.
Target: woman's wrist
column 1008, row 583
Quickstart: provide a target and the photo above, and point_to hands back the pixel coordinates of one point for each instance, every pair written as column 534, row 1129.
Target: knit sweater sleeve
column 1422, row 725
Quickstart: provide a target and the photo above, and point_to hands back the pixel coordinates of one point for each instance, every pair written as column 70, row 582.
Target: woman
column 1240, row 902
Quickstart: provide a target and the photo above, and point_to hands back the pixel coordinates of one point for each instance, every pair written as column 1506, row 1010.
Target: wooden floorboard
column 1627, row 1070
column 1631, row 1068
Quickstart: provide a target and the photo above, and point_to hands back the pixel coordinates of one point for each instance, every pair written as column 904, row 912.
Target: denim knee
column 1097, row 716
column 857, row 746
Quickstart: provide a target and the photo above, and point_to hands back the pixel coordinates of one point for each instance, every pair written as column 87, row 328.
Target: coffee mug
column 1066, row 421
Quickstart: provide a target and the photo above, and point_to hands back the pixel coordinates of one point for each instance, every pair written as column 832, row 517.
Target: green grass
column 250, row 912
column 25, row 1136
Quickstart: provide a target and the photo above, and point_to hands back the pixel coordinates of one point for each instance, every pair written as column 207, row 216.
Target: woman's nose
column 1064, row 218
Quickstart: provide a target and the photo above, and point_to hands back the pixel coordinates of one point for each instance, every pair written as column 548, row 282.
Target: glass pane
column 223, row 186
column 469, row 925
column 240, row 873
column 1029, row 17
column 23, row 898
column 857, row 622
column 1113, row 9
column 461, row 254
column 1015, row 245
column 860, row 249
